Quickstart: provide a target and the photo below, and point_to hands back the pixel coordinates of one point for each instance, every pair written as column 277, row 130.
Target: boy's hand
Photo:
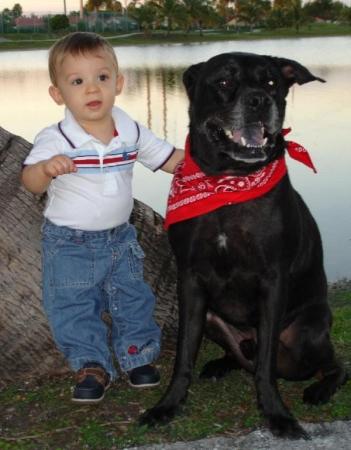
column 171, row 164
column 37, row 177
column 58, row 165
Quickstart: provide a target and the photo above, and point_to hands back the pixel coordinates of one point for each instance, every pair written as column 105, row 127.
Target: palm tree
column 145, row 14
column 252, row 12
column 94, row 5
column 198, row 12
column 290, row 12
column 111, row 5
column 171, row 11
column 225, row 9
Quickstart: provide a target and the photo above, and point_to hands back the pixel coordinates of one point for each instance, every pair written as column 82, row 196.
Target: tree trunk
column 27, row 349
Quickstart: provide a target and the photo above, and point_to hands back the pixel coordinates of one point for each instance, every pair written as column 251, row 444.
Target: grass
column 41, row 416
column 23, row 41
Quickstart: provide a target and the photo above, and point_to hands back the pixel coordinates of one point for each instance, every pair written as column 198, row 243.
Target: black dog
column 250, row 274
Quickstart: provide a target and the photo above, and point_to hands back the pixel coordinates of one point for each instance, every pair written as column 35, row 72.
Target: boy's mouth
column 94, row 104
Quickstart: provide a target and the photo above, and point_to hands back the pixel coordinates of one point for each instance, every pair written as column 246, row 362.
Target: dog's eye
column 225, row 83
column 271, row 82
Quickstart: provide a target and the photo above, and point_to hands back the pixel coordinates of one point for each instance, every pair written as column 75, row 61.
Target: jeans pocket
column 68, row 264
column 136, row 257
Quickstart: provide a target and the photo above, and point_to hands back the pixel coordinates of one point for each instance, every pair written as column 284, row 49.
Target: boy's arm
column 36, row 178
column 177, row 156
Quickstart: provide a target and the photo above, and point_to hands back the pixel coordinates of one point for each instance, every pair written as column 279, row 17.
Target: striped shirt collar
column 75, row 134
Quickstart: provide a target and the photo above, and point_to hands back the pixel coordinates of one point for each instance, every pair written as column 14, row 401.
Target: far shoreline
column 38, row 41
column 342, row 284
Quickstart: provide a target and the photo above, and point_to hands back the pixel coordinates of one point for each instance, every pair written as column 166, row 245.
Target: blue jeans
column 86, row 273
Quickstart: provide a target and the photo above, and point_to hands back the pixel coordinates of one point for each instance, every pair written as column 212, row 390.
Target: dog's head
column 237, row 108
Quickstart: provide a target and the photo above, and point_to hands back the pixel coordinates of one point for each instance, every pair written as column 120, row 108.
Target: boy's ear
column 119, row 84
column 55, row 94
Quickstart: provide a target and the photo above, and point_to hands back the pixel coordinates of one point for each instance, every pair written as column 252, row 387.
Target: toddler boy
column 92, row 261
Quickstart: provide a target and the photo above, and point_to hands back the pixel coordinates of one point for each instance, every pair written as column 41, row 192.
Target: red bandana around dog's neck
column 193, row 193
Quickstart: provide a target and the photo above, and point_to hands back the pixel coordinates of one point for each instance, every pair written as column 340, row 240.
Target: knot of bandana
column 193, row 193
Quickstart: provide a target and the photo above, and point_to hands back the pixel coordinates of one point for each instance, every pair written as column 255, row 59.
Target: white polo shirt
column 99, row 195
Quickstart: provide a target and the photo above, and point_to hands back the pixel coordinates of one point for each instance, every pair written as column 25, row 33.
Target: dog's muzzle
column 248, row 143
column 251, row 141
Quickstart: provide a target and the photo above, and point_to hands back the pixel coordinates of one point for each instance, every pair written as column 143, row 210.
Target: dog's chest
column 226, row 251
column 236, row 263
column 233, row 233
column 229, row 252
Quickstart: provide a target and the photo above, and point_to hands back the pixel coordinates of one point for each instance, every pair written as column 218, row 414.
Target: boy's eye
column 103, row 77
column 77, row 81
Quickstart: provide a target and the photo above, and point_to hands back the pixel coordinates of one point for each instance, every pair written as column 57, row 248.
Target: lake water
column 319, row 114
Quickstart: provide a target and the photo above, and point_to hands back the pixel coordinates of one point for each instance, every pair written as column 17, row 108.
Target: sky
column 41, row 6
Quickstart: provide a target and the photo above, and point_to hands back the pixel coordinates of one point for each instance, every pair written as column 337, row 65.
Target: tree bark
column 27, row 349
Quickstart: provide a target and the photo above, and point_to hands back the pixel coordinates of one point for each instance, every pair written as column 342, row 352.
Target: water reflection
column 156, row 98
column 319, row 115
column 155, row 90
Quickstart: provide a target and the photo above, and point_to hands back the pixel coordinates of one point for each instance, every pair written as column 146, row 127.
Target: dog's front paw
column 286, row 427
column 158, row 415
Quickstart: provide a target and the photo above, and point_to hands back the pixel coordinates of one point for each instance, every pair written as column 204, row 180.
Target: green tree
column 198, row 13
column 225, row 9
column 17, row 10
column 107, row 5
column 59, row 22
column 346, row 15
column 338, row 10
column 7, row 20
column 116, row 6
column 319, row 8
column 297, row 13
column 252, row 12
column 145, row 14
column 286, row 13
column 172, row 12
column 94, row 5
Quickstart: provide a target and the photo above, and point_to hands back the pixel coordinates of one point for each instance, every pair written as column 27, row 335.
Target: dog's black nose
column 258, row 101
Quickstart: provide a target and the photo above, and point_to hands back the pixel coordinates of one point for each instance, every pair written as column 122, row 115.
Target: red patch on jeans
column 132, row 350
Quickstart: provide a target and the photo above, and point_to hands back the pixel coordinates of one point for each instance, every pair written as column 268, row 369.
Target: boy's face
column 87, row 84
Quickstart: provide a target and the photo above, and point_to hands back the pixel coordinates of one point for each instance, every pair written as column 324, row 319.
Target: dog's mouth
column 251, row 142
column 250, row 136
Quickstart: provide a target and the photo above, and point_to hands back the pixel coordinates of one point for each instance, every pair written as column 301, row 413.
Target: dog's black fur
column 250, row 275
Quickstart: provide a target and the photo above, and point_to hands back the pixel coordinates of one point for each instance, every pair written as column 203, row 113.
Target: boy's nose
column 91, row 86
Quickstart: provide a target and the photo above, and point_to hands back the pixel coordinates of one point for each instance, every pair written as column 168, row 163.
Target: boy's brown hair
column 76, row 43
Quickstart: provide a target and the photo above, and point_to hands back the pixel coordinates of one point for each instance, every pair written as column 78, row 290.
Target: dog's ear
column 293, row 72
column 190, row 76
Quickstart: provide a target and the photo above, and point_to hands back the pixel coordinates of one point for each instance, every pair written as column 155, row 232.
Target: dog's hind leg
column 307, row 351
column 230, row 339
column 331, row 373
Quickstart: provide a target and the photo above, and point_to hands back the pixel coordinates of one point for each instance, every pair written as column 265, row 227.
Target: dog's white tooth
column 228, row 133
column 264, row 141
column 243, row 141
